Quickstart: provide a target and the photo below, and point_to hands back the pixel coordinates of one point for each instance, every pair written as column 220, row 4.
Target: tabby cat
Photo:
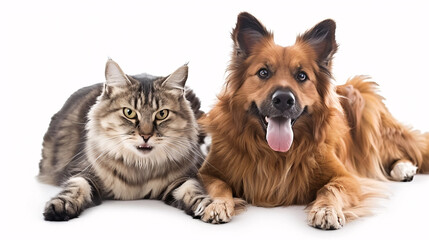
column 134, row 137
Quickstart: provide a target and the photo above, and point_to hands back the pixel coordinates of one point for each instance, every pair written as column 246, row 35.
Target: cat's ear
column 115, row 77
column 177, row 79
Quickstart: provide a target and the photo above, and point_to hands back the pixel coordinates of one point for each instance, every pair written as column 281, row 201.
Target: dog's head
column 279, row 84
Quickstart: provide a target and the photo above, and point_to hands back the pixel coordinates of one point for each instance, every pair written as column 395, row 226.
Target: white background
column 49, row 49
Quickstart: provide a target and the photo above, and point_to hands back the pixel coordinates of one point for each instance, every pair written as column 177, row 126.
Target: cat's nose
column 146, row 138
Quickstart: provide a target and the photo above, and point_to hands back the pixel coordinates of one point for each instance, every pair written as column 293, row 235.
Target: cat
column 134, row 137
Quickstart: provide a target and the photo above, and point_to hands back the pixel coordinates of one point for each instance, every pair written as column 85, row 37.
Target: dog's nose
column 283, row 100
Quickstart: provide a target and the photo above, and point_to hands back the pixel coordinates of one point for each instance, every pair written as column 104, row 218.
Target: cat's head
column 142, row 119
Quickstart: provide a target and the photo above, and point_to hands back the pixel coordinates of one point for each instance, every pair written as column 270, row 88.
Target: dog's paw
column 219, row 211
column 61, row 209
column 326, row 218
column 403, row 171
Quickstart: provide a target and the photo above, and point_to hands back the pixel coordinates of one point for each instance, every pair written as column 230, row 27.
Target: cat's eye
column 161, row 115
column 129, row 113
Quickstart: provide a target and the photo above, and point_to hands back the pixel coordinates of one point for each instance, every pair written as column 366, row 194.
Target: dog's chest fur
column 266, row 178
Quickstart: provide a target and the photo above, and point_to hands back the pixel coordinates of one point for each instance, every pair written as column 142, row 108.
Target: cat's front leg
column 190, row 197
column 79, row 193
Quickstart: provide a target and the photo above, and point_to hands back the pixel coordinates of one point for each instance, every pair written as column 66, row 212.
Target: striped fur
column 97, row 152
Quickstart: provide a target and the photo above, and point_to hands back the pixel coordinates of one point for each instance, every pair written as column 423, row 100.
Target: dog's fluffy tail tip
column 373, row 192
column 240, row 206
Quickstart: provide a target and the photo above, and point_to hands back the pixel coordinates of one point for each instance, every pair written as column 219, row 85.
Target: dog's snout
column 283, row 100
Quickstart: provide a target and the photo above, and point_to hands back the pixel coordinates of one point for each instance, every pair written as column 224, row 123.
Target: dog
column 283, row 133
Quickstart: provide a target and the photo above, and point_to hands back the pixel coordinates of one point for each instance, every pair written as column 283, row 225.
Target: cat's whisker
column 192, row 152
column 79, row 123
column 81, row 153
column 98, row 159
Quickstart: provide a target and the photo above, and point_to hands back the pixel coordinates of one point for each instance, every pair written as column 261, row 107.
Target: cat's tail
column 203, row 139
column 195, row 102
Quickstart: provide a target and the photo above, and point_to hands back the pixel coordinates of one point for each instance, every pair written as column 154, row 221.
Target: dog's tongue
column 279, row 134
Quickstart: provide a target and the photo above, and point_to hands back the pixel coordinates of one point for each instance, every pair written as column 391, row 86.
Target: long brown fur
column 381, row 139
column 345, row 133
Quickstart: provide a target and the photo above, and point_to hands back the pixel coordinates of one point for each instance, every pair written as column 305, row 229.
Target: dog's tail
column 362, row 106
column 424, row 168
column 380, row 139
column 366, row 201
column 372, row 193
column 240, row 206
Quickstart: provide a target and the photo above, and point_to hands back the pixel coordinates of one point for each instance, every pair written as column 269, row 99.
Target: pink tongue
column 279, row 134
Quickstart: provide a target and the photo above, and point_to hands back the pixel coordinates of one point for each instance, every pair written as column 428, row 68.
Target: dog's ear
column 322, row 39
column 247, row 32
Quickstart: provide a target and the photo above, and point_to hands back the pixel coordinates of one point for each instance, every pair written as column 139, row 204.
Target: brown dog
column 283, row 133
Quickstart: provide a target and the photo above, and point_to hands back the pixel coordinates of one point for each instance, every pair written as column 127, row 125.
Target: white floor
column 49, row 49
column 403, row 216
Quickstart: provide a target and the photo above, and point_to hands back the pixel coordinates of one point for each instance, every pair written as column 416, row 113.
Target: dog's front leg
column 221, row 209
column 327, row 211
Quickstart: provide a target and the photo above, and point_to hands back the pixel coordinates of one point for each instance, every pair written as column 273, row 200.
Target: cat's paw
column 219, row 211
column 403, row 171
column 326, row 218
column 200, row 207
column 61, row 209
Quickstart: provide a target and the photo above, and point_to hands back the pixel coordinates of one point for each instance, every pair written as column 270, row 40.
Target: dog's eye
column 301, row 76
column 263, row 73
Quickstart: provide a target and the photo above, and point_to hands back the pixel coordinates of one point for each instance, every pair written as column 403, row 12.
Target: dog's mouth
column 278, row 129
column 265, row 120
column 279, row 133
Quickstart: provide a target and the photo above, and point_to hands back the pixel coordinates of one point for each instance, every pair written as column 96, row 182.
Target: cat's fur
column 96, row 152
